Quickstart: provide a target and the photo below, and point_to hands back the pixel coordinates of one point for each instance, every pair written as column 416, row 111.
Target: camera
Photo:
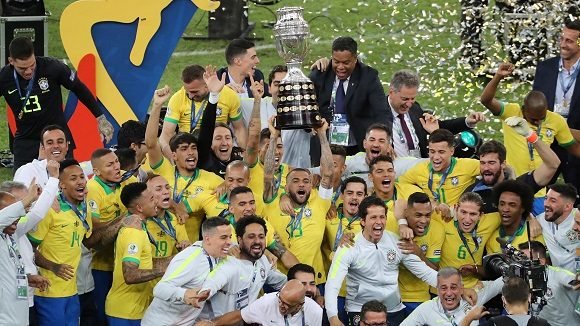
column 514, row 263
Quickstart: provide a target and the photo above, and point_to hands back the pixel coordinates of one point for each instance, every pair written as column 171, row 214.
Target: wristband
column 532, row 138
column 214, row 97
column 402, row 221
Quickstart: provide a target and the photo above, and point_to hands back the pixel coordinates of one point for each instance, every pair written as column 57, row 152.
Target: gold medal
column 532, row 166
column 565, row 103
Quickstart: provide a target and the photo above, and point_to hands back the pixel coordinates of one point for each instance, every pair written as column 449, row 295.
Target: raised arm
column 488, row 96
column 254, row 127
column 326, row 162
column 153, row 147
column 270, row 163
column 215, row 86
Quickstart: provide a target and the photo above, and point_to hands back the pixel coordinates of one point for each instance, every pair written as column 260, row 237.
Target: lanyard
column 28, row 90
column 81, row 214
column 340, row 232
column 14, row 252
column 335, row 195
column 531, row 146
column 465, row 244
column 149, row 235
column 124, row 177
column 573, row 76
column 277, row 179
column 195, row 119
column 287, row 323
column 169, row 230
column 225, row 212
column 511, row 237
column 399, row 128
column 295, row 223
column 441, row 182
column 178, row 196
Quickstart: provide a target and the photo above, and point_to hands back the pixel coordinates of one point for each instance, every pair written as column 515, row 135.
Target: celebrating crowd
column 374, row 216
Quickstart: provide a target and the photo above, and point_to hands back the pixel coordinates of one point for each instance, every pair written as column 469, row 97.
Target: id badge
column 415, row 153
column 339, row 130
column 21, row 287
column 562, row 109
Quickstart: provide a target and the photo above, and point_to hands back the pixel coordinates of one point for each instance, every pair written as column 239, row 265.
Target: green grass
column 395, row 34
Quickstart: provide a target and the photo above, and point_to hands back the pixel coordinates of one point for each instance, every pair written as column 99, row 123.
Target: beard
column 248, row 252
column 494, row 179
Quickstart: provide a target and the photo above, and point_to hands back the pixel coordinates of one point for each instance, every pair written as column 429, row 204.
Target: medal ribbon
column 178, row 196
column 28, row 90
column 169, row 230
column 81, row 214
column 295, row 223
column 195, row 118
column 340, row 232
column 442, row 181
column 465, row 244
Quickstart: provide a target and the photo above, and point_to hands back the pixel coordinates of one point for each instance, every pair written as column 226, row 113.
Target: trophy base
column 297, row 107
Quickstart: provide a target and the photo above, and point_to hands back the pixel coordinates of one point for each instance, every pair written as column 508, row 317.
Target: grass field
column 421, row 35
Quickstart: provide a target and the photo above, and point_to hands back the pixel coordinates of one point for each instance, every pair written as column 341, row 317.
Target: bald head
column 535, row 107
column 6, row 199
column 292, row 297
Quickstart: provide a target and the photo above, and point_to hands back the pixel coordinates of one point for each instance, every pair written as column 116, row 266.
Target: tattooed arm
column 107, row 233
column 270, row 163
column 253, row 141
column 133, row 275
column 326, row 163
column 286, row 257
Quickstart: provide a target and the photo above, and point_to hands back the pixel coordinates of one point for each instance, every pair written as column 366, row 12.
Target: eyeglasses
column 287, row 305
column 373, row 324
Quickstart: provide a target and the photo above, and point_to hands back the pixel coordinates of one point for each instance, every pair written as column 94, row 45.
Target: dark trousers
column 88, row 309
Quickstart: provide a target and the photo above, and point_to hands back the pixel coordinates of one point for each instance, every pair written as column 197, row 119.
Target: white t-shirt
column 265, row 311
column 561, row 240
column 560, row 298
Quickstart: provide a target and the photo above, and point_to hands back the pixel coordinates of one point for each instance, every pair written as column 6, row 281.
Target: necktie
column 339, row 99
column 406, row 132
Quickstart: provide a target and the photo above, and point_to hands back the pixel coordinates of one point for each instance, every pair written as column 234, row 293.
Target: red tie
column 408, row 138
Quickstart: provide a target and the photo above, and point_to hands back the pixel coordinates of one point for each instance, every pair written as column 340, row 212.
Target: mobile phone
column 573, row 283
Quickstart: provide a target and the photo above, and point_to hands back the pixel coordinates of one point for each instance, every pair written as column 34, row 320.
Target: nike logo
column 12, row 91
column 64, row 225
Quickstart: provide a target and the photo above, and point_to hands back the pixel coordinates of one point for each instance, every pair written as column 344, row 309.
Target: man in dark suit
column 556, row 78
column 350, row 94
column 242, row 60
column 408, row 120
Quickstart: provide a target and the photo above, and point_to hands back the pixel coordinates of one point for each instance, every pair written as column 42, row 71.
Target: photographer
column 560, row 295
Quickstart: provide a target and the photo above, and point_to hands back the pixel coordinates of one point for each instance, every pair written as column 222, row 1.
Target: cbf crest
column 307, row 212
column 424, row 248
column 549, row 133
column 391, row 256
column 454, row 181
column 43, row 83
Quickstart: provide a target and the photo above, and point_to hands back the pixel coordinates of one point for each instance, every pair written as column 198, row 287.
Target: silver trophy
column 297, row 107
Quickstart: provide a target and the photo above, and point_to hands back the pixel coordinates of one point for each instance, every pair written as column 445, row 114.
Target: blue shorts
column 410, row 306
column 103, row 283
column 114, row 321
column 57, row 311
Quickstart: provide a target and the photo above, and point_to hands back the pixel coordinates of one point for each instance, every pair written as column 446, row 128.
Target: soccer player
column 346, row 224
column 514, row 202
column 104, row 191
column 558, row 225
column 466, row 237
column 185, row 108
column 178, row 290
column 168, row 235
column 31, row 86
column 444, row 177
column 238, row 282
column 242, row 204
column 134, row 264
column 186, row 178
column 449, row 308
column 58, row 237
column 259, row 142
column 426, row 244
column 302, row 232
column 377, row 277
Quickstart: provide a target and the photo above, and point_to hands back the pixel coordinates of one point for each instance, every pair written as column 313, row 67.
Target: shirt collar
column 572, row 69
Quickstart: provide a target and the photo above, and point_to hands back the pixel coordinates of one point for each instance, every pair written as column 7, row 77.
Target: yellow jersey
column 456, row 253
column 166, row 233
column 59, row 237
column 257, row 182
column 520, row 236
column 303, row 233
column 214, row 206
column 182, row 112
column 132, row 246
column 191, row 191
column 412, row 288
column 108, row 200
column 554, row 127
column 335, row 228
column 445, row 187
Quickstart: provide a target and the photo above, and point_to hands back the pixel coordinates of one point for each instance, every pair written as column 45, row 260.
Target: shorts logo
column 391, row 256
column 132, row 249
column 454, row 181
column 43, row 83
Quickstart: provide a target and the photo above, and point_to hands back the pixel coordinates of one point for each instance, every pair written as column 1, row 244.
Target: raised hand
column 429, row 122
column 52, row 168
column 474, row 117
column 257, row 88
column 214, row 84
column 504, row 70
column 519, row 125
column 161, row 95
